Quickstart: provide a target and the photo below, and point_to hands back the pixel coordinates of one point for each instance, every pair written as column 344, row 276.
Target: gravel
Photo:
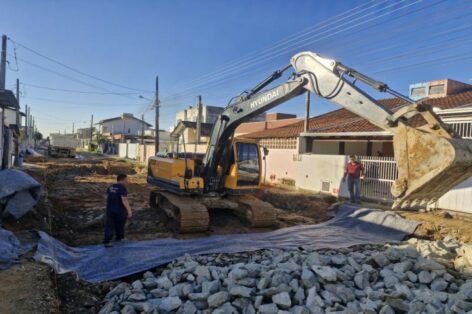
column 409, row 277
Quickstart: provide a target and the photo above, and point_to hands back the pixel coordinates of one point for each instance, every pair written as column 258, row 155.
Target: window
column 248, row 164
column 436, row 89
column 129, row 130
column 418, row 92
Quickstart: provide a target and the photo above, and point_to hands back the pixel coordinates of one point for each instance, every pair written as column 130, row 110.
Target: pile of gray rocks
column 416, row 276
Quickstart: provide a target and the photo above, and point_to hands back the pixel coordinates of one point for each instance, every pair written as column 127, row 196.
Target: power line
column 326, row 34
column 74, row 69
column 76, row 91
column 266, row 58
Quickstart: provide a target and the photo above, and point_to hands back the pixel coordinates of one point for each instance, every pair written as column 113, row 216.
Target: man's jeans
column 115, row 225
column 354, row 187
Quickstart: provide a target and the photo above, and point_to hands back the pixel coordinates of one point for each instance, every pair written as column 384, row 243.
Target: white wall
column 280, row 165
column 308, row 171
column 459, row 198
column 122, row 125
column 313, row 169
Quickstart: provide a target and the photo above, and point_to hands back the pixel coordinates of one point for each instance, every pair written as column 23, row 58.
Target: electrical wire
column 266, row 58
column 75, row 91
column 74, row 69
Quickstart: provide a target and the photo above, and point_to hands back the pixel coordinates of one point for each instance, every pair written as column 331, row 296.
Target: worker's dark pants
column 115, row 224
column 354, row 187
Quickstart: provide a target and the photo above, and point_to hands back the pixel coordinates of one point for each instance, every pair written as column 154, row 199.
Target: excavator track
column 188, row 215
column 258, row 213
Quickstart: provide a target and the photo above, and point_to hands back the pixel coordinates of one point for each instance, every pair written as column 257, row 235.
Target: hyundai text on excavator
column 431, row 158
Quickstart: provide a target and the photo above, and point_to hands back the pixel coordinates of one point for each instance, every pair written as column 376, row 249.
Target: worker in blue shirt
column 118, row 210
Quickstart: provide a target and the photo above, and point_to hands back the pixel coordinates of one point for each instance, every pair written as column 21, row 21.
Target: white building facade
column 126, row 124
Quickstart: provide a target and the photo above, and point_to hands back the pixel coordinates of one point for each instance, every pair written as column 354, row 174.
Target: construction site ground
column 72, row 210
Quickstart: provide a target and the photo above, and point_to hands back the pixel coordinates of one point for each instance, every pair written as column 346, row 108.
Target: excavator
column 431, row 158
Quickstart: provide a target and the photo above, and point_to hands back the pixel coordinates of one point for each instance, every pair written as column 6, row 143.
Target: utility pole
column 3, row 63
column 29, row 125
column 142, row 129
column 199, row 122
column 156, row 105
column 307, row 112
column 26, row 122
column 17, row 144
column 33, row 134
column 91, row 133
column 72, row 127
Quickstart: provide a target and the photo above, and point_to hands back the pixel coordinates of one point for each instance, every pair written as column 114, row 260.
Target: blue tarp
column 95, row 263
column 19, row 192
column 10, row 249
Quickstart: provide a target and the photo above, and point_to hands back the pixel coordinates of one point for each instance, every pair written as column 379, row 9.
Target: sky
column 78, row 58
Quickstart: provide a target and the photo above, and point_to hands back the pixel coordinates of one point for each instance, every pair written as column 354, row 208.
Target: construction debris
column 411, row 277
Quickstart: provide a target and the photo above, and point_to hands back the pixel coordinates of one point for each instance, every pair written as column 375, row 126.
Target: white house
column 125, row 125
column 209, row 114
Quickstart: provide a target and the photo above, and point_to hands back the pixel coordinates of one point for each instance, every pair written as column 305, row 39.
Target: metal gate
column 380, row 173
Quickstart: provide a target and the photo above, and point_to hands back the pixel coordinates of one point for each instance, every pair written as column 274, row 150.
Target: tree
column 37, row 136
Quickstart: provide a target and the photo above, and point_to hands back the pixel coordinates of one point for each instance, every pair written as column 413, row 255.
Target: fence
column 380, row 172
column 463, row 128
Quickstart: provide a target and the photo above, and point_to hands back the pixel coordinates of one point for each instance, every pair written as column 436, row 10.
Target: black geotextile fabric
column 95, row 263
column 19, row 192
column 10, row 249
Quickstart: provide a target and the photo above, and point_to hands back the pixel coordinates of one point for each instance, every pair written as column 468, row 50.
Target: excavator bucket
column 429, row 165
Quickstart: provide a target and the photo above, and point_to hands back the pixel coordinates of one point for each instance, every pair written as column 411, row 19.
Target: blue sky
column 217, row 49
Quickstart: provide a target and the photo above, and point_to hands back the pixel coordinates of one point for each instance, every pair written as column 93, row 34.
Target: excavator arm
column 430, row 158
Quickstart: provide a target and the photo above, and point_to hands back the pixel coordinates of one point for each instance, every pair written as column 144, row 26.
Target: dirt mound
column 297, row 206
column 118, row 167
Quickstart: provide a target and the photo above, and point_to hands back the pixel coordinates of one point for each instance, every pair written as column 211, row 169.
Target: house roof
column 121, row 118
column 8, row 99
column 182, row 125
column 342, row 120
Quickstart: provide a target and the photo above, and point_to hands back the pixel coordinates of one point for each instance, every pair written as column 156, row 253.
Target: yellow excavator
column 430, row 157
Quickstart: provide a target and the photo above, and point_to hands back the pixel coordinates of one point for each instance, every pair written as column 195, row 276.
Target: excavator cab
column 244, row 172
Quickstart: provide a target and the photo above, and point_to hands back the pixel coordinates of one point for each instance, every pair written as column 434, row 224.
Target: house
column 315, row 160
column 209, row 114
column 9, row 130
column 270, row 121
column 123, row 127
column 186, row 132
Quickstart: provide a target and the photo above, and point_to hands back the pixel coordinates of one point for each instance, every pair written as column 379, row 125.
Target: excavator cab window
column 248, row 164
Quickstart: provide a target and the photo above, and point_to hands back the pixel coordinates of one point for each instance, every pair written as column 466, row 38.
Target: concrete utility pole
column 26, row 122
column 307, row 112
column 91, row 133
column 142, row 129
column 199, row 122
column 3, row 63
column 33, row 128
column 17, row 144
column 156, row 138
column 72, row 127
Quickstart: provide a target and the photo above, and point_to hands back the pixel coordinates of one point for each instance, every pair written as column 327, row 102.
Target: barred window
column 279, row 143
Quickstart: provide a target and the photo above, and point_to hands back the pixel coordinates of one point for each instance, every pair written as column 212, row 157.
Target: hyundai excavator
column 431, row 158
